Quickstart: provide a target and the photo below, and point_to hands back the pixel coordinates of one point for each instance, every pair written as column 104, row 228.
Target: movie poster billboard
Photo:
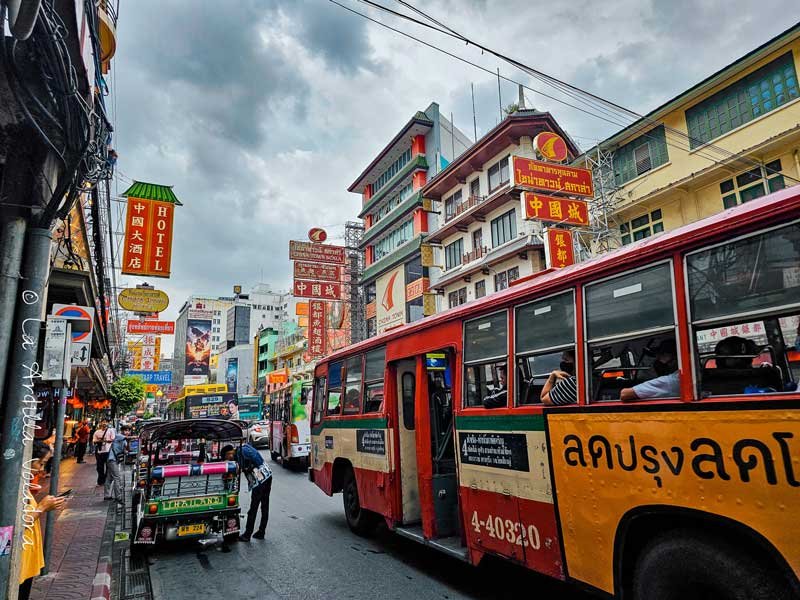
column 198, row 347
column 232, row 374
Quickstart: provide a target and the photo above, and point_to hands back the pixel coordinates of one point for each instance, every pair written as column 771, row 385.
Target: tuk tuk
column 183, row 488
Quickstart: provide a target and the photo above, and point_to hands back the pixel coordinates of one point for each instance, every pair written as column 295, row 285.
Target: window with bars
column 642, row 227
column 453, row 254
column 752, row 184
column 499, row 174
column 640, row 155
column 457, row 297
column 451, row 204
column 503, row 279
column 504, row 228
column 756, row 94
column 475, row 187
column 480, row 288
column 393, row 170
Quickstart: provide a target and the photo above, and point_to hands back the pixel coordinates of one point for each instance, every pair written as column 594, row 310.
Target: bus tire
column 686, row 565
column 360, row 521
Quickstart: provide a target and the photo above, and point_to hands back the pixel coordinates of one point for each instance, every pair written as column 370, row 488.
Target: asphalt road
column 310, row 553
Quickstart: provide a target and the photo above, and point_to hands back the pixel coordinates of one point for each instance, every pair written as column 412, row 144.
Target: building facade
column 732, row 137
column 480, row 238
column 235, row 369
column 395, row 223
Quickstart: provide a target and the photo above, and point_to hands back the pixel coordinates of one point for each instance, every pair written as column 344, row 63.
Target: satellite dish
column 22, row 16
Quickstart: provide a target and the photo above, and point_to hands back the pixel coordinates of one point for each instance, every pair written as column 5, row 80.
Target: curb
column 101, row 585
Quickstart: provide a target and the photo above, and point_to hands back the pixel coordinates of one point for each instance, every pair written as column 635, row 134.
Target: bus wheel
column 684, row 565
column 359, row 520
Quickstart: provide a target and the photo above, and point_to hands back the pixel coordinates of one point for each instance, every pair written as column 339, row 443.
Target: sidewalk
column 80, row 560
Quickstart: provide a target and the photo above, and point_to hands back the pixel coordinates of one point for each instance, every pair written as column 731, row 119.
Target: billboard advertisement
column 232, row 374
column 198, row 347
column 212, row 406
column 320, row 253
column 391, row 295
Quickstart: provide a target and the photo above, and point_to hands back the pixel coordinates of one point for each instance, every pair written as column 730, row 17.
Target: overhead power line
column 610, row 111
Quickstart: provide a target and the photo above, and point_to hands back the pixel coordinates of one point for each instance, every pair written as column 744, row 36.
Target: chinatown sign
column 317, row 253
column 559, row 250
column 317, row 289
column 529, row 173
column 158, row 327
column 550, row 146
column 316, row 328
column 538, row 207
column 143, row 300
column 318, row 272
column 317, row 235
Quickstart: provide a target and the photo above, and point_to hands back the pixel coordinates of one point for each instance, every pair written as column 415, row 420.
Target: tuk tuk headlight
column 232, row 500
column 152, row 508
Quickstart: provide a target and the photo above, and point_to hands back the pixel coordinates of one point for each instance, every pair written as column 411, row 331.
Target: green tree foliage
column 127, row 392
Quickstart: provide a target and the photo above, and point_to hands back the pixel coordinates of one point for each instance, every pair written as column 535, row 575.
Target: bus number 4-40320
column 513, row 532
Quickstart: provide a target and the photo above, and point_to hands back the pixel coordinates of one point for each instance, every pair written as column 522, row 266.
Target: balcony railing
column 475, row 254
column 470, row 202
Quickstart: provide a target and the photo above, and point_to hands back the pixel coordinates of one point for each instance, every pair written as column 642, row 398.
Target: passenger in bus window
column 562, row 385
column 499, row 396
column 666, row 384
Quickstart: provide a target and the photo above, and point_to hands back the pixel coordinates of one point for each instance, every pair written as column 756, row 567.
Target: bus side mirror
column 304, row 394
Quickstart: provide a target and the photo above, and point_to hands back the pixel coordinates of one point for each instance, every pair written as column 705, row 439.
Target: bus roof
column 756, row 214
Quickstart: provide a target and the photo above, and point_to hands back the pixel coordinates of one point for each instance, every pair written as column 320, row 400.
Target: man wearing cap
column 666, row 385
column 259, row 483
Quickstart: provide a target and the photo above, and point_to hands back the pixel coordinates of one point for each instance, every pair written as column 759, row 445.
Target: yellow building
column 733, row 137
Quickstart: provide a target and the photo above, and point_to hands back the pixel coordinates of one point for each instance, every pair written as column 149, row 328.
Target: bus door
column 407, row 441
column 438, row 402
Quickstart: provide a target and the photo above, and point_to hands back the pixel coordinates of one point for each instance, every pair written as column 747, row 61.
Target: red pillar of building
column 367, row 193
column 420, row 221
column 418, row 145
column 369, row 255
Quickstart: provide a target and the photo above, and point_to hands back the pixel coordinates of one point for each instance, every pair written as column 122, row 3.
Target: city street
column 310, row 553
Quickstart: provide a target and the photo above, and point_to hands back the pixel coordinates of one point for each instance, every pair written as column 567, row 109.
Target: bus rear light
column 613, row 374
column 294, row 434
column 152, row 508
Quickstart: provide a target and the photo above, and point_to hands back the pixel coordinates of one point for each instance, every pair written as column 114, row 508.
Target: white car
column 258, row 433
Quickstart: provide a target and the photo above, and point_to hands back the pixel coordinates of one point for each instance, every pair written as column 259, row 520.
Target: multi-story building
column 482, row 242
column 394, row 221
column 732, row 137
column 264, row 309
column 264, row 344
column 235, row 368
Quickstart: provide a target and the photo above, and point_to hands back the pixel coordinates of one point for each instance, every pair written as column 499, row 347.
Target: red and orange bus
column 690, row 491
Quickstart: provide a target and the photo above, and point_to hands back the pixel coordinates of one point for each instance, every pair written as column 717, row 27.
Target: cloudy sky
column 260, row 113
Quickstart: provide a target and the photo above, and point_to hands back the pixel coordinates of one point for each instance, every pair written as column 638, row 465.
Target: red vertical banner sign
column 316, row 328
column 559, row 249
column 161, row 239
column 138, row 223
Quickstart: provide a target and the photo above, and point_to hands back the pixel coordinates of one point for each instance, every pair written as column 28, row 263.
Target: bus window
column 408, row 383
column 543, row 331
column 743, row 298
column 373, row 380
column 485, row 361
column 319, row 399
column 630, row 326
column 352, row 391
column 334, row 388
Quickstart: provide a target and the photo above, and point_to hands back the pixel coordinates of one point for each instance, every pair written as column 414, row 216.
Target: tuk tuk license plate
column 191, row 529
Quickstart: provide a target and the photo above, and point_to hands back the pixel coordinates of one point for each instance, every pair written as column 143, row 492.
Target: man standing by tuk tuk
column 259, row 483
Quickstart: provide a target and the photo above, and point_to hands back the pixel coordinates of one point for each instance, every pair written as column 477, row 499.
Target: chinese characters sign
column 317, row 289
column 555, row 178
column 539, row 207
column 316, row 328
column 320, row 272
column 318, row 253
column 148, row 238
column 559, row 249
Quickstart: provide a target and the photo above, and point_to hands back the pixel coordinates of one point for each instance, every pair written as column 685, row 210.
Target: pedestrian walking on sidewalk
column 33, row 546
column 259, row 483
column 114, row 486
column 102, row 445
column 82, row 434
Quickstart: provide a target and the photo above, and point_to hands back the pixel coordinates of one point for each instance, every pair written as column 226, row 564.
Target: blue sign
column 159, row 377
